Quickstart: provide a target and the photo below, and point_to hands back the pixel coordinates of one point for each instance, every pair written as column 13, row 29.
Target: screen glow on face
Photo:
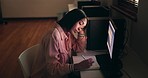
column 110, row 40
column 79, row 25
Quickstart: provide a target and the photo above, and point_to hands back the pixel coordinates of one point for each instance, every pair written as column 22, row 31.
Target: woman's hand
column 81, row 31
column 85, row 64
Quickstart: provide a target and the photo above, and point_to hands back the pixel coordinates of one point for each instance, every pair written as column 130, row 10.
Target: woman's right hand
column 85, row 64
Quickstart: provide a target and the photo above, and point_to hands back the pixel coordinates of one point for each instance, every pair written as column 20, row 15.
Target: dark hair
column 70, row 18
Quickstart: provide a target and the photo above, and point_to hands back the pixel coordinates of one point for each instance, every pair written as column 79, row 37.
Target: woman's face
column 79, row 25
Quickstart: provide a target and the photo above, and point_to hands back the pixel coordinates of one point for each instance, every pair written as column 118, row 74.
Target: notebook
column 78, row 59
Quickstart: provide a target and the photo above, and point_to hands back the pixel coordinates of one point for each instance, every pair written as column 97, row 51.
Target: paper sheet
column 95, row 66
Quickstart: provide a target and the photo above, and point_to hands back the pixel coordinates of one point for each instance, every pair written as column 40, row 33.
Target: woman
column 65, row 36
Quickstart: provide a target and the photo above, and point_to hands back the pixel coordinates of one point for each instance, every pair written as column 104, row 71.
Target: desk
column 94, row 73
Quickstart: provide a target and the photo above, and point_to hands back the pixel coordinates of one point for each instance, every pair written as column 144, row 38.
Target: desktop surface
column 106, row 69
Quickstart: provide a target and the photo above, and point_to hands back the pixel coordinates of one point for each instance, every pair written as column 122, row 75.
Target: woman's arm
column 54, row 60
column 55, row 68
column 79, row 44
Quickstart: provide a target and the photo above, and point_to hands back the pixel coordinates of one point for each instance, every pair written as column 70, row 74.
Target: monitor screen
column 110, row 39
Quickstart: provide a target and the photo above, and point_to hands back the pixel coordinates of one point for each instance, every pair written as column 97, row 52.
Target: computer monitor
column 116, row 38
column 110, row 63
column 110, row 38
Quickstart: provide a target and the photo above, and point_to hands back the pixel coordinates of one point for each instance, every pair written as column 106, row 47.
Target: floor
column 15, row 37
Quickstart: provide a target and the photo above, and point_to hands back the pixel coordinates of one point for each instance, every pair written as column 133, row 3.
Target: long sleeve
column 52, row 59
column 57, row 56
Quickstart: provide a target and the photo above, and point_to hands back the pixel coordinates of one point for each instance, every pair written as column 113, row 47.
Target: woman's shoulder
column 55, row 27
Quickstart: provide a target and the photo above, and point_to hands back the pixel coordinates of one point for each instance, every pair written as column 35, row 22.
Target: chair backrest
column 26, row 59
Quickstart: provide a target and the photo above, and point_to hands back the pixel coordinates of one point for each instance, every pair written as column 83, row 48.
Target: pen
column 83, row 56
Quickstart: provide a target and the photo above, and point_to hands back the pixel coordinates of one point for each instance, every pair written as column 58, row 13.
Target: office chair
column 26, row 59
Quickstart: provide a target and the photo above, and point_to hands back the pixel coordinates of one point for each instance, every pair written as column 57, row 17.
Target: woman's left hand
column 81, row 31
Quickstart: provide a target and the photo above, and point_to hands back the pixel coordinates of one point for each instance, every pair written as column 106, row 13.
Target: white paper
column 78, row 59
